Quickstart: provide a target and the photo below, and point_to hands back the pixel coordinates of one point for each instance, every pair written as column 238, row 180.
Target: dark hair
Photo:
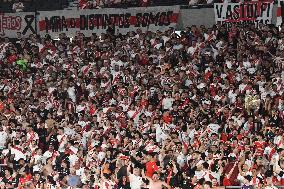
column 208, row 183
column 205, row 165
column 10, row 170
column 17, row 142
column 155, row 173
column 50, row 179
column 107, row 176
column 248, row 177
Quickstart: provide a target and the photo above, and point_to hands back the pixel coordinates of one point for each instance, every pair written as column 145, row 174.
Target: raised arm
column 175, row 170
column 144, row 176
column 166, row 185
column 128, row 167
column 102, row 174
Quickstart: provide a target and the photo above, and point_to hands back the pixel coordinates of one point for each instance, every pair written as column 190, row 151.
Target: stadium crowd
column 143, row 110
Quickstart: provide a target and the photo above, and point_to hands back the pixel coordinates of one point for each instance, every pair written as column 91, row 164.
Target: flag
column 22, row 64
column 279, row 13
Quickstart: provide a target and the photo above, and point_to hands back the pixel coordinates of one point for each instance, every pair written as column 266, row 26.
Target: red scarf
column 185, row 103
column 169, row 177
column 54, row 154
column 136, row 112
column 31, row 138
column 19, row 149
column 61, row 140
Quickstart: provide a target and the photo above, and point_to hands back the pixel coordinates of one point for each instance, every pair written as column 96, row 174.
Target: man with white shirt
column 192, row 49
column 135, row 179
column 62, row 139
column 50, row 153
column 18, row 151
column 71, row 93
column 160, row 134
column 31, row 135
column 116, row 61
column 3, row 138
column 167, row 102
column 182, row 158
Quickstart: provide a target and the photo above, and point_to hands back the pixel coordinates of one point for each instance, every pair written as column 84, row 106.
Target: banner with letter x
column 13, row 23
column 280, row 13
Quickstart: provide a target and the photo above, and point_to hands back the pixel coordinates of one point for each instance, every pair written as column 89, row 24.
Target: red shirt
column 2, row 106
column 224, row 137
column 151, row 167
column 226, row 182
column 167, row 119
column 232, row 181
column 144, row 60
column 26, row 179
column 260, row 145
column 12, row 58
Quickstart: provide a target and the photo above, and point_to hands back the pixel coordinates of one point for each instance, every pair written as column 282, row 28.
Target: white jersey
column 62, row 139
column 135, row 181
column 3, row 139
column 107, row 184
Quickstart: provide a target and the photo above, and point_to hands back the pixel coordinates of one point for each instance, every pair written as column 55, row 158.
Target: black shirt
column 274, row 121
column 122, row 172
column 63, row 172
column 123, row 186
column 42, row 134
column 53, row 141
column 42, row 113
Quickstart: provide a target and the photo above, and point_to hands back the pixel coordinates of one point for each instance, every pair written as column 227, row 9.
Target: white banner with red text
column 100, row 20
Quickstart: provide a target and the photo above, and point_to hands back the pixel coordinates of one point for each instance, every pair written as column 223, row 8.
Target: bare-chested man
column 47, row 169
column 155, row 183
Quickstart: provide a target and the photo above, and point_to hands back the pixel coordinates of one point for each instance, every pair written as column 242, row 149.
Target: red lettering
column 9, row 23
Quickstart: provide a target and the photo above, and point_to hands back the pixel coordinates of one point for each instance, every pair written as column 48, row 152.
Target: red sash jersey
column 281, row 180
column 226, row 182
column 92, row 109
column 272, row 151
column 167, row 119
column 23, row 180
column 213, row 89
column 168, row 179
column 48, row 47
column 255, row 181
column 260, row 145
column 113, row 141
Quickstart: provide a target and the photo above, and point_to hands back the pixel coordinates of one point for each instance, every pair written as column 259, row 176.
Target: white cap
column 201, row 85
